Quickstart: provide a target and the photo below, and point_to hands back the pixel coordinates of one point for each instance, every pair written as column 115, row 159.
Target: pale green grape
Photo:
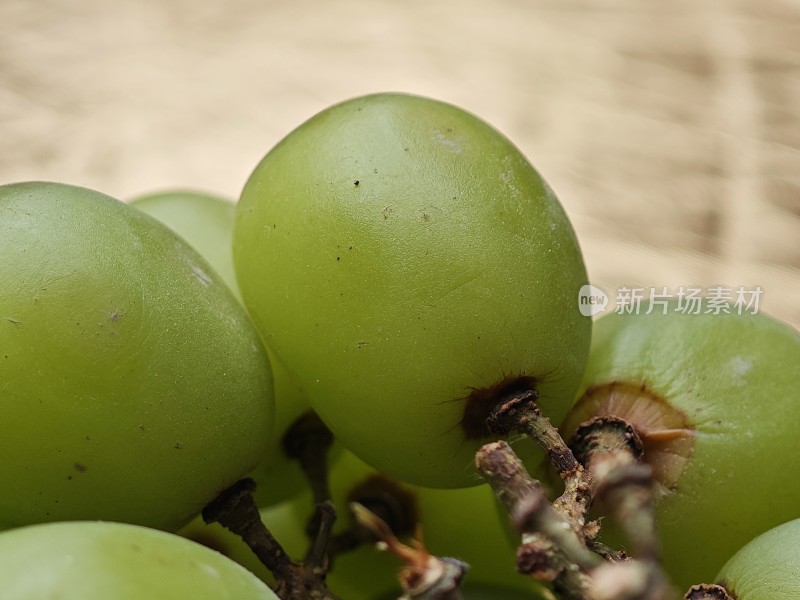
column 206, row 222
column 133, row 386
column 412, row 268
column 281, row 519
column 767, row 568
column 202, row 219
column 103, row 561
column 714, row 398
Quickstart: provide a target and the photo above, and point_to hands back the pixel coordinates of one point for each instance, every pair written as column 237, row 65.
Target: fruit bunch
column 380, row 344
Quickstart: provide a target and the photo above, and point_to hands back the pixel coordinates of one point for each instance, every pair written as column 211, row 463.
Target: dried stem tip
column 236, row 510
column 604, row 435
column 505, row 473
column 306, row 435
column 535, row 557
column 425, row 577
column 519, row 413
column 223, row 505
column 532, row 513
column 707, row 591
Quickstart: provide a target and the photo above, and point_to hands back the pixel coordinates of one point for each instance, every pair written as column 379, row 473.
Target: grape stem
column 308, row 441
column 392, row 502
column 612, row 451
column 707, row 591
column 540, row 555
column 424, row 577
column 603, row 465
column 520, row 414
column 236, row 510
column 325, row 516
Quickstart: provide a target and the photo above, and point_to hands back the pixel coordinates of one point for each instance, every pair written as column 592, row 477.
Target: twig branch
column 529, row 508
column 520, row 414
column 552, row 550
column 611, row 451
column 236, row 510
column 605, row 467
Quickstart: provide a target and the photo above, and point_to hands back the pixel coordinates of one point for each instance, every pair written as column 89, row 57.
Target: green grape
column 714, row 399
column 206, row 222
column 412, row 268
column 133, row 386
column 767, row 568
column 100, row 561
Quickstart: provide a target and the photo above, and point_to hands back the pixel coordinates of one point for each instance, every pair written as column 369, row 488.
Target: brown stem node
column 236, row 510
column 707, row 591
column 606, row 434
column 535, row 558
column 512, row 412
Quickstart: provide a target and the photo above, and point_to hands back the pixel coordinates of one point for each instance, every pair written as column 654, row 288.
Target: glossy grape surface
column 767, row 568
column 101, row 561
column 133, row 386
column 206, row 222
column 735, row 381
column 400, row 255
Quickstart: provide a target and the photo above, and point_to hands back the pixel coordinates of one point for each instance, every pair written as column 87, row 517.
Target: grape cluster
column 379, row 342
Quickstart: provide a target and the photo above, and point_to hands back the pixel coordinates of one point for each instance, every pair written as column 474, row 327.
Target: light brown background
column 668, row 129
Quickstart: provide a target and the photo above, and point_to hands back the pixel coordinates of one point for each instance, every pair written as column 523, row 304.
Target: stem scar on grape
column 481, row 402
column 666, row 432
column 394, row 504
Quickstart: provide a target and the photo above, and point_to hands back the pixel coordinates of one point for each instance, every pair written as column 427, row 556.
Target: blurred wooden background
column 670, row 130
